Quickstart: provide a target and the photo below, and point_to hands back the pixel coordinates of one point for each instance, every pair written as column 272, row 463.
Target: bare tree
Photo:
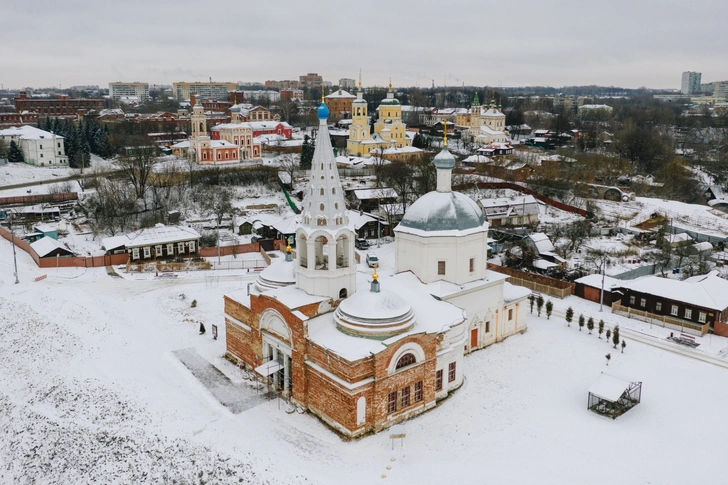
column 137, row 168
column 112, row 208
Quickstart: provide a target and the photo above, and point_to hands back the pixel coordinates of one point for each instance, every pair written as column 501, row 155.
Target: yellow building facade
column 389, row 130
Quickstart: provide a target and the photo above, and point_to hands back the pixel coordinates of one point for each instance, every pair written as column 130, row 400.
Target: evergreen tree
column 569, row 316
column 531, row 300
column 615, row 336
column 15, row 154
column 3, row 149
column 581, row 322
column 549, row 309
column 609, row 334
column 608, row 356
column 601, row 328
column 307, row 149
column 590, row 325
column 624, row 344
column 539, row 304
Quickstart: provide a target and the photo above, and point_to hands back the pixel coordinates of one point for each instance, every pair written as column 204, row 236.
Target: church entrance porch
column 276, row 367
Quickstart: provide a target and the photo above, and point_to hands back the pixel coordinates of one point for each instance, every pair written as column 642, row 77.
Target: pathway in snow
column 236, row 397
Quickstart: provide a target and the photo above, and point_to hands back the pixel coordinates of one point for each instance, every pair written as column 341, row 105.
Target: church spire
column 323, row 206
column 444, row 163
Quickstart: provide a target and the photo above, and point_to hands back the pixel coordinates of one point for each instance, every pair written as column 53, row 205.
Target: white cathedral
column 363, row 351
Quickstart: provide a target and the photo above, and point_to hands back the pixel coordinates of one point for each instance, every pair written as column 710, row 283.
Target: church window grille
column 438, row 380
column 418, row 391
column 392, row 402
column 451, row 371
column 405, row 397
column 441, row 267
column 405, row 360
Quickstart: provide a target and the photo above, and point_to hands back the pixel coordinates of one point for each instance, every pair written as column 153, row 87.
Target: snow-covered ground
column 20, row 173
column 90, row 390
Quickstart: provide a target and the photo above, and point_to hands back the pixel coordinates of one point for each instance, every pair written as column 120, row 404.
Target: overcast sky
column 521, row 43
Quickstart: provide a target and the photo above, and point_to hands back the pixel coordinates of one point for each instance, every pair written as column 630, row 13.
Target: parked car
column 361, row 244
column 372, row 260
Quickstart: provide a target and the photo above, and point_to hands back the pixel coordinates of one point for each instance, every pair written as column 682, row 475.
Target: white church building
column 363, row 351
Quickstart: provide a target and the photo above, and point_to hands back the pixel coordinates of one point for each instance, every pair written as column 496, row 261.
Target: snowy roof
column 27, row 132
column 341, row 94
column 45, row 227
column 707, row 291
column 152, row 236
column 677, row 238
column 701, row 246
column 509, row 206
column 476, row 159
column 46, row 245
column 432, row 316
column 513, row 293
column 395, row 151
column 542, row 242
column 443, row 289
column 381, row 193
column 357, row 219
column 595, row 281
column 543, row 264
column 608, row 387
column 182, row 144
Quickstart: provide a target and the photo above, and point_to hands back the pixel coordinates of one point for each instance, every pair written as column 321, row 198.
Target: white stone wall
column 45, row 152
column 421, row 256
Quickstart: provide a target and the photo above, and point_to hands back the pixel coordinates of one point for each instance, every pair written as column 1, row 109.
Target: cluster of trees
column 611, row 334
column 11, row 151
column 80, row 140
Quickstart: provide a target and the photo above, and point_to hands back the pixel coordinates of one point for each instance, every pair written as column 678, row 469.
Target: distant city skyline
column 627, row 45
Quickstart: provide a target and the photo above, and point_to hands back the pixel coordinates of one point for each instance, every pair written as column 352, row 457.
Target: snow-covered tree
column 569, row 316
column 582, row 320
column 624, row 344
column 608, row 356
column 531, row 300
column 539, row 304
column 615, row 336
column 590, row 325
column 549, row 309
column 601, row 328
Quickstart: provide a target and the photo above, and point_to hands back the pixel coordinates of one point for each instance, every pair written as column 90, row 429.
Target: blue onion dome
column 444, row 159
column 323, row 112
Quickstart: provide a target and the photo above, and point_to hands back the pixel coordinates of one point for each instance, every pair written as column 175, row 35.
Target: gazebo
column 612, row 396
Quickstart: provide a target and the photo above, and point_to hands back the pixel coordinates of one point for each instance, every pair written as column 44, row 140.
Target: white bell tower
column 325, row 264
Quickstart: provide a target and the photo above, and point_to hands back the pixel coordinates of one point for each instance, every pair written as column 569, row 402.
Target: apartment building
column 119, row 90
column 182, row 90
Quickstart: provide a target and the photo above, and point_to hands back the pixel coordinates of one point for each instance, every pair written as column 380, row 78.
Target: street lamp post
column 379, row 221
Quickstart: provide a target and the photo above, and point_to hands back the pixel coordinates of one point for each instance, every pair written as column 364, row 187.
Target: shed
column 589, row 287
column 613, row 396
column 47, row 230
column 47, row 247
column 245, row 228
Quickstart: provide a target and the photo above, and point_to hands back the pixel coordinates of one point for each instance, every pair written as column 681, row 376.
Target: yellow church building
column 389, row 130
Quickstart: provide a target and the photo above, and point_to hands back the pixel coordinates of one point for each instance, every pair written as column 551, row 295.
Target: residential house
column 522, row 210
column 155, row 243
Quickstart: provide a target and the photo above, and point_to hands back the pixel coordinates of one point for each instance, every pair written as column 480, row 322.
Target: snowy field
column 90, row 391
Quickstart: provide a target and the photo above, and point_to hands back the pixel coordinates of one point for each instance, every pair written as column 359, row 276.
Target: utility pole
column 15, row 261
column 601, row 295
column 379, row 221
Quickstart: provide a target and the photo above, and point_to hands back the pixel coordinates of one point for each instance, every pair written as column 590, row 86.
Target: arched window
column 201, row 126
column 321, row 207
column 333, row 191
column 321, row 192
column 405, row 360
column 336, row 205
column 343, row 293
